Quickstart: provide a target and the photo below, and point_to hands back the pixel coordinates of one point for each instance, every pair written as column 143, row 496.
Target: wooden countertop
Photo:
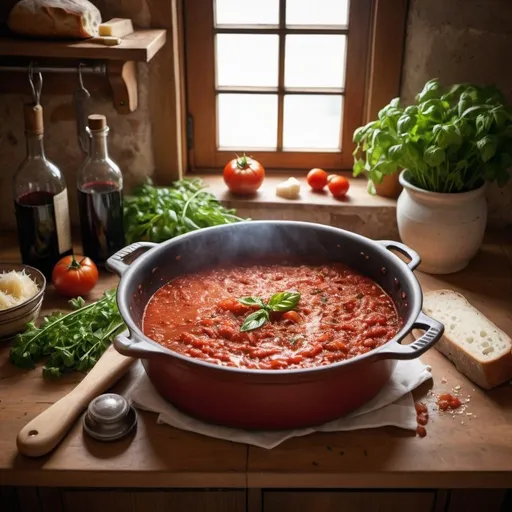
column 477, row 453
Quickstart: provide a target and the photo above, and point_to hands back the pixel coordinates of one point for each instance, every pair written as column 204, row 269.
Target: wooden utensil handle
column 45, row 431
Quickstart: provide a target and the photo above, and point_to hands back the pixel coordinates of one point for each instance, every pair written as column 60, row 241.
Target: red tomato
column 243, row 175
column 73, row 276
column 317, row 179
column 293, row 316
column 339, row 186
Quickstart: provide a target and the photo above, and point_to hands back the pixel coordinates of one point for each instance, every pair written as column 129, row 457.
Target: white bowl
column 13, row 320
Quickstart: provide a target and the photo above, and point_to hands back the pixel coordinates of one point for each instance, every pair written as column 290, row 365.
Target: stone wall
column 130, row 140
column 454, row 40
column 462, row 41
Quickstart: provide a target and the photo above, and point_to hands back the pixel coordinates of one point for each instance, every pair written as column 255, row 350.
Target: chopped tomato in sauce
column 420, row 408
column 421, row 431
column 448, row 401
column 421, row 418
column 341, row 314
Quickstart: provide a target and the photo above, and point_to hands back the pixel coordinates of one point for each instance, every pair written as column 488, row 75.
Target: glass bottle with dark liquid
column 40, row 201
column 100, row 197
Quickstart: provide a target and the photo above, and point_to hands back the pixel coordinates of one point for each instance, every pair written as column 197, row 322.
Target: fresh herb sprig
column 279, row 302
column 72, row 341
column 449, row 140
column 156, row 214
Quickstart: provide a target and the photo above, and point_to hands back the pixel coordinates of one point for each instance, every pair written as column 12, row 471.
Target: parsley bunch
column 72, row 341
column 156, row 214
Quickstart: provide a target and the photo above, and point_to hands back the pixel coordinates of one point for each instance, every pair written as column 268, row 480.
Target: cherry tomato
column 339, row 186
column 243, row 175
column 74, row 275
column 331, row 176
column 317, row 179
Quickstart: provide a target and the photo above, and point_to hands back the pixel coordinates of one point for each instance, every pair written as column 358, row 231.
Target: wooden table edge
column 387, row 480
column 266, row 480
column 122, row 479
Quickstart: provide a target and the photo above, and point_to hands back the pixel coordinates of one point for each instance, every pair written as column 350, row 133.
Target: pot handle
column 402, row 249
column 434, row 331
column 116, row 262
column 138, row 349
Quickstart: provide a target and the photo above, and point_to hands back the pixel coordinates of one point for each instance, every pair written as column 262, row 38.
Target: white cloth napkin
column 392, row 406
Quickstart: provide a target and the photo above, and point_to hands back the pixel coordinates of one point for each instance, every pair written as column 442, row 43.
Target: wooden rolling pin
column 47, row 430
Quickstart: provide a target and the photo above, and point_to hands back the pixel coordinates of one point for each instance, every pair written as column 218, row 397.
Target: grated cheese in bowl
column 15, row 288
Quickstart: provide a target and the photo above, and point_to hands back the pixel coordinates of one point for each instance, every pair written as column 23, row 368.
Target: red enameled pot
column 268, row 399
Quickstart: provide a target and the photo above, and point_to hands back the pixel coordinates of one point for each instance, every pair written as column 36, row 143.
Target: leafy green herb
column 359, row 295
column 252, row 301
column 284, row 301
column 72, row 341
column 255, row 320
column 324, row 299
column 157, row 214
column 296, row 338
column 449, row 140
column 279, row 302
column 316, row 291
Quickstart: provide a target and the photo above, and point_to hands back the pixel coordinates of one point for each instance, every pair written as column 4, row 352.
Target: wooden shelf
column 141, row 46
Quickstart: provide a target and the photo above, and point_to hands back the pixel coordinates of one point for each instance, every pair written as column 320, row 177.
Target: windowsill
column 360, row 212
column 357, row 197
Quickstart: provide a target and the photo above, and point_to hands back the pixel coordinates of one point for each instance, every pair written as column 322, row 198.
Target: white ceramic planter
column 445, row 229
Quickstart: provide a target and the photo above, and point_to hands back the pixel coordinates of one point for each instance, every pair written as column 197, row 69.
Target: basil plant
column 450, row 140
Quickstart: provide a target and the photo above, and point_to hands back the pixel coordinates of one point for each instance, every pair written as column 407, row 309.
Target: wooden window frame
column 373, row 75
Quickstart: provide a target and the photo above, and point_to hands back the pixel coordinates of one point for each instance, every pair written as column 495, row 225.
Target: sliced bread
column 477, row 347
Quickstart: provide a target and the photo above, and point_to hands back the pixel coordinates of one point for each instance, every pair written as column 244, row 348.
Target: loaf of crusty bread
column 76, row 19
column 477, row 347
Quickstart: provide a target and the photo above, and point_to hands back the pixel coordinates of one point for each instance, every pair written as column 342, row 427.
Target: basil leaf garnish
column 255, row 320
column 252, row 301
column 284, row 301
column 279, row 302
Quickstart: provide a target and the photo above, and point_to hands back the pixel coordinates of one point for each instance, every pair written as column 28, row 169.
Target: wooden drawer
column 348, row 501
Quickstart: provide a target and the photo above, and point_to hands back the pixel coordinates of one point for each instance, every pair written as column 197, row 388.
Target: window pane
column 247, row 59
column 315, row 61
column 247, row 121
column 317, row 12
column 312, row 121
column 247, row 12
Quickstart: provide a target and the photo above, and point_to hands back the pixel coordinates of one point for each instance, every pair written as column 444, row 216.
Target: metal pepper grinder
column 109, row 417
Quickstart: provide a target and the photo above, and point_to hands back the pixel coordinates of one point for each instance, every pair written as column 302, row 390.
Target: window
column 283, row 80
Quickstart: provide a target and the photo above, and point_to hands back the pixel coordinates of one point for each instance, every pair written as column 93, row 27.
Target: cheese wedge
column 116, row 27
column 106, row 41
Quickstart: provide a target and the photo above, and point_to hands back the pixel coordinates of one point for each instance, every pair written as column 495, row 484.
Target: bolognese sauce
column 340, row 314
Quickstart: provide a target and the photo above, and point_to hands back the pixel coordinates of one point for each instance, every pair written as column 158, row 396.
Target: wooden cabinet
column 478, row 500
column 49, row 499
column 31, row 499
column 154, row 501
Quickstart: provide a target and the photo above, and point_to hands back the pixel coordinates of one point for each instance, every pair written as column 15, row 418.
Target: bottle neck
column 35, row 147
column 99, row 149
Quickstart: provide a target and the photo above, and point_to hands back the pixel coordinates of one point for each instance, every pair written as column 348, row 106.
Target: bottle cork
column 97, row 122
column 34, row 118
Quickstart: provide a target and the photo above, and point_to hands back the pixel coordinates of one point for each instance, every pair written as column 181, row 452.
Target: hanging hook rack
column 37, row 88
column 82, row 99
column 80, row 75
column 95, row 69
column 121, row 75
column 115, row 66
